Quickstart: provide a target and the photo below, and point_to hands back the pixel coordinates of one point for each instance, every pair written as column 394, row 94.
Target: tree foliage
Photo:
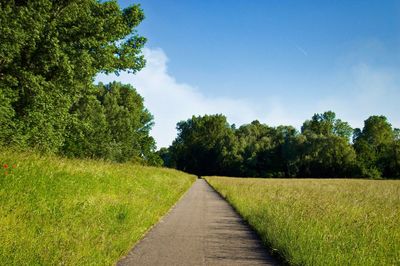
column 50, row 53
column 377, row 148
column 208, row 145
column 111, row 123
column 199, row 145
column 327, row 124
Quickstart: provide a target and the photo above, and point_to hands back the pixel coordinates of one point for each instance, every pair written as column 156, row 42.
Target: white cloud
column 170, row 101
column 368, row 91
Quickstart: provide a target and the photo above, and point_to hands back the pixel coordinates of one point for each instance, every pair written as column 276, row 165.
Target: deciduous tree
column 50, row 52
column 376, row 148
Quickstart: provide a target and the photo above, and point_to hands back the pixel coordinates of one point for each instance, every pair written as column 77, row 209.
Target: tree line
column 326, row 147
column 50, row 54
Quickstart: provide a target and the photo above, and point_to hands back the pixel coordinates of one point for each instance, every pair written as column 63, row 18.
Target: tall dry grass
column 321, row 221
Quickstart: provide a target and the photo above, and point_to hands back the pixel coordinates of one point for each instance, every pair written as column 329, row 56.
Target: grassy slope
column 321, row 222
column 77, row 212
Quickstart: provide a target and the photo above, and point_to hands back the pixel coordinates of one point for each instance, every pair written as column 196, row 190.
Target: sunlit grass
column 78, row 212
column 321, row 221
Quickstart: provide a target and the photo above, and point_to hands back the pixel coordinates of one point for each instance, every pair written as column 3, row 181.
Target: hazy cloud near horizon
column 370, row 91
column 171, row 101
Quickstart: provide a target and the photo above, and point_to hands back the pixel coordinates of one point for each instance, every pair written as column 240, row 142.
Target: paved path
column 202, row 229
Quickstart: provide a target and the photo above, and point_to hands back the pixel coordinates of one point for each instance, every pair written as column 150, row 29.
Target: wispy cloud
column 304, row 52
column 366, row 90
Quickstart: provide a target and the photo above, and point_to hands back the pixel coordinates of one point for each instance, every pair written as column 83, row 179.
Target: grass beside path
column 78, row 212
column 321, row 221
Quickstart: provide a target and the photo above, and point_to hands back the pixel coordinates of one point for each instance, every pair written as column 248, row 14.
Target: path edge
column 154, row 225
column 280, row 259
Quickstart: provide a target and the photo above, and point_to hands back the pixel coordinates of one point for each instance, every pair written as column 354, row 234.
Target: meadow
column 321, row 221
column 57, row 211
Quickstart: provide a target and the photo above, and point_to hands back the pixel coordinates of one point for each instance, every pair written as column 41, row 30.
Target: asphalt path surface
column 202, row 229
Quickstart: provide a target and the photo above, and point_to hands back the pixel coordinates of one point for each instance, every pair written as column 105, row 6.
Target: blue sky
column 276, row 61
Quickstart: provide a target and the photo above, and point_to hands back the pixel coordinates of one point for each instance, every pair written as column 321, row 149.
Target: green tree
column 286, row 151
column 166, row 157
column 326, row 157
column 376, row 148
column 199, row 146
column 394, row 156
column 324, row 149
column 259, row 150
column 50, row 52
column 112, row 123
column 6, row 119
column 256, row 148
column 88, row 134
column 327, row 124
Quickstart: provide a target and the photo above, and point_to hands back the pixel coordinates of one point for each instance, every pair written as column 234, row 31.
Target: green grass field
column 56, row 211
column 321, row 221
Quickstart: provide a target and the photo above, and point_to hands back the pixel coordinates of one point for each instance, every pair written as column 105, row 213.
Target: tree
column 393, row 168
column 50, row 52
column 327, row 124
column 256, row 149
column 6, row 122
column 326, row 156
column 376, row 148
column 199, row 146
column 286, row 141
column 165, row 155
column 325, row 150
column 88, row 133
column 112, row 123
